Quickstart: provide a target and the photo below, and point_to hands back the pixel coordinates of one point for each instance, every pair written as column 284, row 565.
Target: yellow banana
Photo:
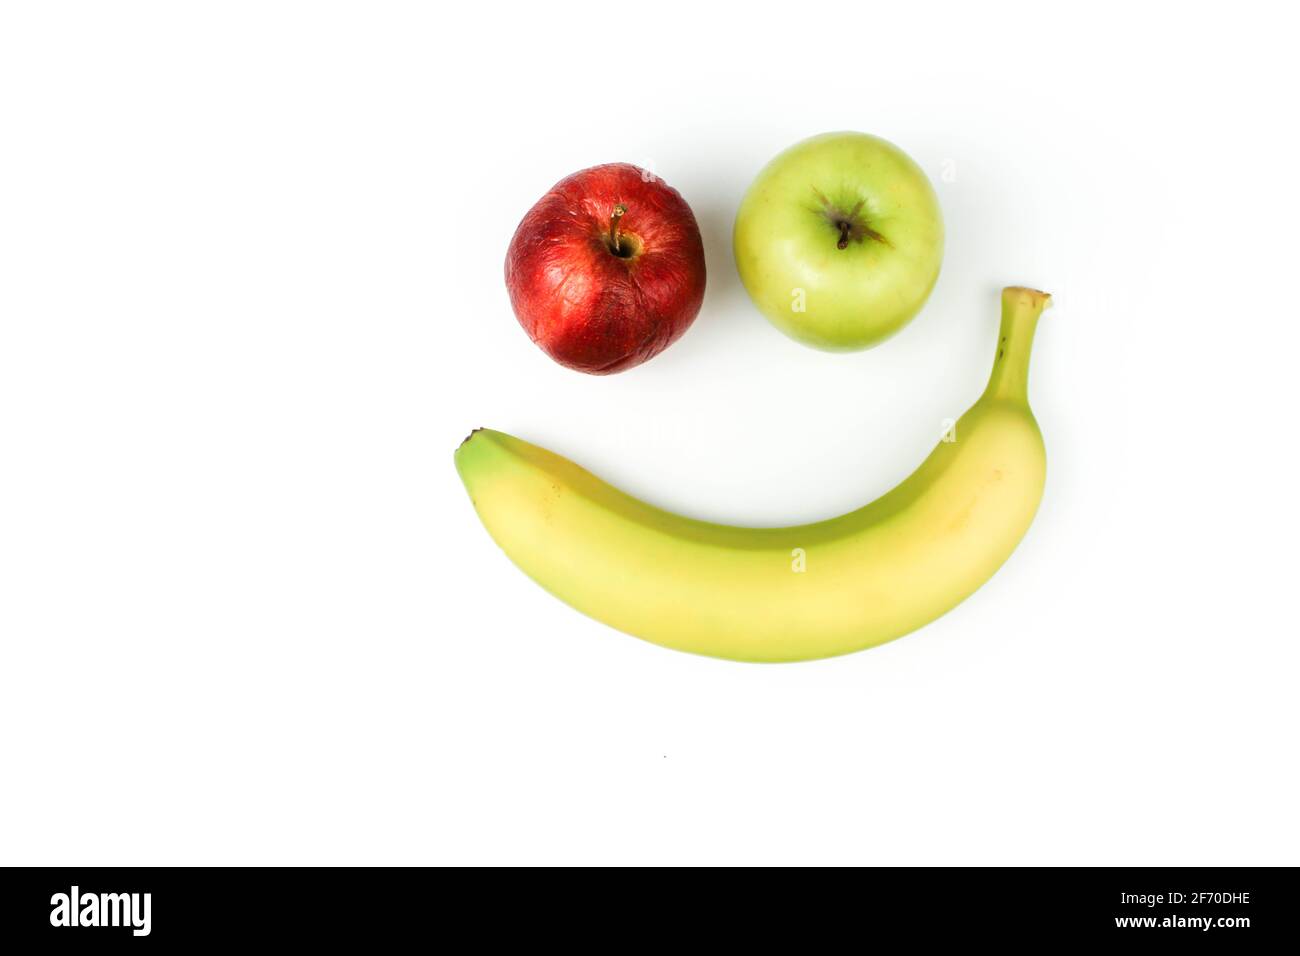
column 780, row 594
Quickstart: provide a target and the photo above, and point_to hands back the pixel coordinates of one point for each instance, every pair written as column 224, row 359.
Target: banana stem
column 1021, row 308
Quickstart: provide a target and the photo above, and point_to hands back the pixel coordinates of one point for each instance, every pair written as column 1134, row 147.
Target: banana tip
column 1031, row 297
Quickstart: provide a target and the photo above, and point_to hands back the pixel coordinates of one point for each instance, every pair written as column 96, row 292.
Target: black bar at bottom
column 370, row 907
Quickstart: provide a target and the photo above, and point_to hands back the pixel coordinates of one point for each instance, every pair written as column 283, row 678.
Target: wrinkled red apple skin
column 586, row 307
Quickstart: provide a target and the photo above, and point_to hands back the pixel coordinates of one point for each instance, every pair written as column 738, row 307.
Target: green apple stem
column 1021, row 308
column 619, row 211
column 845, row 229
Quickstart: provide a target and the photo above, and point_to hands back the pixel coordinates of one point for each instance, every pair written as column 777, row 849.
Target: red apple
column 607, row 270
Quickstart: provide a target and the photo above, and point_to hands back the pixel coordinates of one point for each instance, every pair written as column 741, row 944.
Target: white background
column 251, row 300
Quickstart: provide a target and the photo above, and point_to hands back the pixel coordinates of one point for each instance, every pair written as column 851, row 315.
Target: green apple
column 839, row 240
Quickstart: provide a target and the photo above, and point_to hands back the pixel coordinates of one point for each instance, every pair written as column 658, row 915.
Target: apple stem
column 845, row 229
column 619, row 211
